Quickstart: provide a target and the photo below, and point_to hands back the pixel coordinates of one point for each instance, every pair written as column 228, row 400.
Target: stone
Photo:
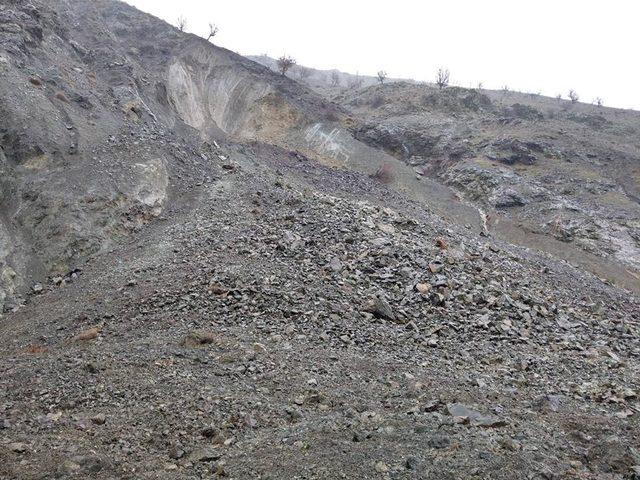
column 335, row 264
column 206, row 454
column 18, row 447
column 438, row 441
column 549, row 403
column 463, row 414
column 380, row 309
column 436, row 266
column 89, row 334
column 175, row 451
column 411, row 463
column 99, row 419
column 90, row 464
column 381, row 467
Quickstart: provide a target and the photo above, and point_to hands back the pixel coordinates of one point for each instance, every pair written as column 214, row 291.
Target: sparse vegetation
column 442, row 79
column 335, row 79
column 598, row 101
column 304, row 73
column 382, row 76
column 573, row 96
column 213, row 30
column 384, row 174
column 559, row 97
column 182, row 23
column 356, row 82
column 285, row 63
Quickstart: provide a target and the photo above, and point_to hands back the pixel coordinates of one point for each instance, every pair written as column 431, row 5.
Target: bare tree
column 356, row 82
column 335, row 79
column 213, row 29
column 285, row 63
column 382, row 76
column 559, row 97
column 442, row 80
column 182, row 23
column 573, row 96
column 304, row 73
column 480, row 85
column 598, row 101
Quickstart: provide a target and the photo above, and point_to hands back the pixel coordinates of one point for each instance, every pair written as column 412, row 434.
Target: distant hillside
column 325, row 81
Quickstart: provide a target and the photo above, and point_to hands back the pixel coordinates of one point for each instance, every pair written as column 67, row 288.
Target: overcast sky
column 547, row 46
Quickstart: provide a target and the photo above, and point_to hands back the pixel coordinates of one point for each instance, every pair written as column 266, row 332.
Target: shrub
column 382, row 76
column 573, row 96
column 335, row 79
column 442, row 79
column 285, row 63
column 384, row 174
column 212, row 31
column 182, row 23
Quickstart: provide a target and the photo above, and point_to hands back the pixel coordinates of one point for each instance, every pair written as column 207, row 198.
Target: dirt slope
column 201, row 279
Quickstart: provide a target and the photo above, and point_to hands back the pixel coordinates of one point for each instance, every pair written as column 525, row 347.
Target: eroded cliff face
column 83, row 159
column 214, row 92
column 101, row 122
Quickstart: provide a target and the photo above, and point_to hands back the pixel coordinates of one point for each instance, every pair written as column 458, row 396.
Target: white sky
column 547, row 46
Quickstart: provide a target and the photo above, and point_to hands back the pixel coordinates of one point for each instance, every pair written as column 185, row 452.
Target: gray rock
column 206, row 454
column 439, row 441
column 18, row 447
column 380, row 308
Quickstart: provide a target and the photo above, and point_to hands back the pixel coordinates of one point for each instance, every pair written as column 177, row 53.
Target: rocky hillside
column 210, row 270
column 549, row 174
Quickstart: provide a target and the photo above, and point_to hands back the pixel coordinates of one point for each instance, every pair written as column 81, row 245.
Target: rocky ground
column 205, row 302
column 564, row 174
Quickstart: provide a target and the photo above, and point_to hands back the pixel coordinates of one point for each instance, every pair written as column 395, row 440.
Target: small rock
column 175, row 451
column 99, row 419
column 438, row 441
column 462, row 414
column 411, row 463
column 386, row 228
column 259, row 348
column 382, row 467
column 335, row 264
column 90, row 334
column 17, row 447
column 380, row 309
column 206, row 454
column 90, row 464
column 436, row 266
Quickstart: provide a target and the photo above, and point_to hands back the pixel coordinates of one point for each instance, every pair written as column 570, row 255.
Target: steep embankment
column 214, row 89
column 91, row 98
